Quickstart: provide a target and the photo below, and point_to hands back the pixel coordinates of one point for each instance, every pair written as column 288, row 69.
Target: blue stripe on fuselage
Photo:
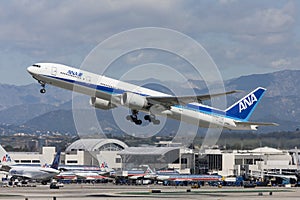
column 110, row 90
column 101, row 88
column 210, row 111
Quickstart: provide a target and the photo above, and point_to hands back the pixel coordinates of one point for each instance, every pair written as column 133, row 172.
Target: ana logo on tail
column 242, row 109
column 243, row 105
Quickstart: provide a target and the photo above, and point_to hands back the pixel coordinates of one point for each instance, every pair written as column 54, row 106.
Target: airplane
column 86, row 168
column 89, row 175
column 25, row 172
column 85, row 175
column 107, row 93
column 143, row 172
column 193, row 177
column 86, row 172
column 175, row 176
column 167, row 175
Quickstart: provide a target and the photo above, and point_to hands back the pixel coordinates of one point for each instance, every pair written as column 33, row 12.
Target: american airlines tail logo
column 6, row 158
column 246, row 102
column 104, row 165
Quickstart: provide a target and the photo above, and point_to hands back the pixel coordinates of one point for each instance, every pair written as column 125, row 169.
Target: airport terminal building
column 255, row 163
column 117, row 155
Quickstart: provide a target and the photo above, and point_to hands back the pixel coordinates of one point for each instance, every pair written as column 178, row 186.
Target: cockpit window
column 36, row 65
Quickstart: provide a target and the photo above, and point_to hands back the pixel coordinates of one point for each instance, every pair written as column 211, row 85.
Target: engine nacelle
column 101, row 103
column 134, row 101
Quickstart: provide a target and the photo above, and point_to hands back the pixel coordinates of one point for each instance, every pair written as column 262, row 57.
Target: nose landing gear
column 43, row 90
column 43, row 84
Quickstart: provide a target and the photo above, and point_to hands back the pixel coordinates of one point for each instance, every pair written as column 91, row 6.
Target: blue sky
column 242, row 37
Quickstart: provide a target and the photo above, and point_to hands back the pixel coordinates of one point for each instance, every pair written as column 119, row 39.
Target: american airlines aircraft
column 107, row 93
column 25, row 172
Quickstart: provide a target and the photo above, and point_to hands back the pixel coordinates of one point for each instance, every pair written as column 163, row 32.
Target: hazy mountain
column 52, row 111
column 29, row 94
column 22, row 113
column 280, row 101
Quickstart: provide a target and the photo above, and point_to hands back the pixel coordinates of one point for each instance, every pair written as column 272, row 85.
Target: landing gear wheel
column 138, row 122
column 156, row 122
column 43, row 90
column 147, row 117
column 128, row 117
column 151, row 118
column 134, row 118
column 43, row 84
column 44, row 182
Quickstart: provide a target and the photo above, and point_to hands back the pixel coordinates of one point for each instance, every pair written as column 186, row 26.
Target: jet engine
column 101, row 103
column 134, row 101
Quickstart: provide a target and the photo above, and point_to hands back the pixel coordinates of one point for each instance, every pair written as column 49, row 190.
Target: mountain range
column 25, row 106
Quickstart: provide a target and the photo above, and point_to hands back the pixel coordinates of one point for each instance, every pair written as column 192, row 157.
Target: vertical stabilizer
column 243, row 109
column 56, row 159
column 5, row 157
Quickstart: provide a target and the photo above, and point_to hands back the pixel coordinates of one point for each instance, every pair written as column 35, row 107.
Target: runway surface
column 110, row 191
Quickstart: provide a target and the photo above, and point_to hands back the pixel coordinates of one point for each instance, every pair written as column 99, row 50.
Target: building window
column 249, row 162
column 183, row 160
column 257, row 160
column 35, row 161
column 118, row 160
column 238, row 161
column 25, row 161
column 214, row 162
column 110, row 147
column 72, row 161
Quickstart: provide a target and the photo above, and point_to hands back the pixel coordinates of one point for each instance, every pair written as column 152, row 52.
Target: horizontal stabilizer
column 257, row 123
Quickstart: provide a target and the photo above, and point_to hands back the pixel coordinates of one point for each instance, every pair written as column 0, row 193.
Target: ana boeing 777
column 107, row 93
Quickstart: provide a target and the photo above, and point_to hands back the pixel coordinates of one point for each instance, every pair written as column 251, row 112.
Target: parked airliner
column 107, row 93
column 25, row 172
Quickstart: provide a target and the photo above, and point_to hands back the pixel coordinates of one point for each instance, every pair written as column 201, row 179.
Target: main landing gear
column 151, row 118
column 134, row 118
column 43, row 84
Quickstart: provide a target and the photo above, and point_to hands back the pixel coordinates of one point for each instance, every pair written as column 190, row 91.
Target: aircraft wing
column 134, row 177
column 257, row 123
column 25, row 177
column 5, row 168
column 183, row 100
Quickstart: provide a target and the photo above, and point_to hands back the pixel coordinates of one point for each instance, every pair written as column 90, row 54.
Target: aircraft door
column 54, row 71
column 88, row 79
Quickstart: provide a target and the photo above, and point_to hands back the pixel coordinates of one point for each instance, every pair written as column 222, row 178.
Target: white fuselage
column 106, row 88
column 33, row 172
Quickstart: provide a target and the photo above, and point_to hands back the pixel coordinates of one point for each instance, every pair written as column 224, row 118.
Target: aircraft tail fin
column 243, row 108
column 149, row 170
column 55, row 162
column 5, row 157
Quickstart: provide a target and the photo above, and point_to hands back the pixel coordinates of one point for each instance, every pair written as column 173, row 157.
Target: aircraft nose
column 31, row 70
